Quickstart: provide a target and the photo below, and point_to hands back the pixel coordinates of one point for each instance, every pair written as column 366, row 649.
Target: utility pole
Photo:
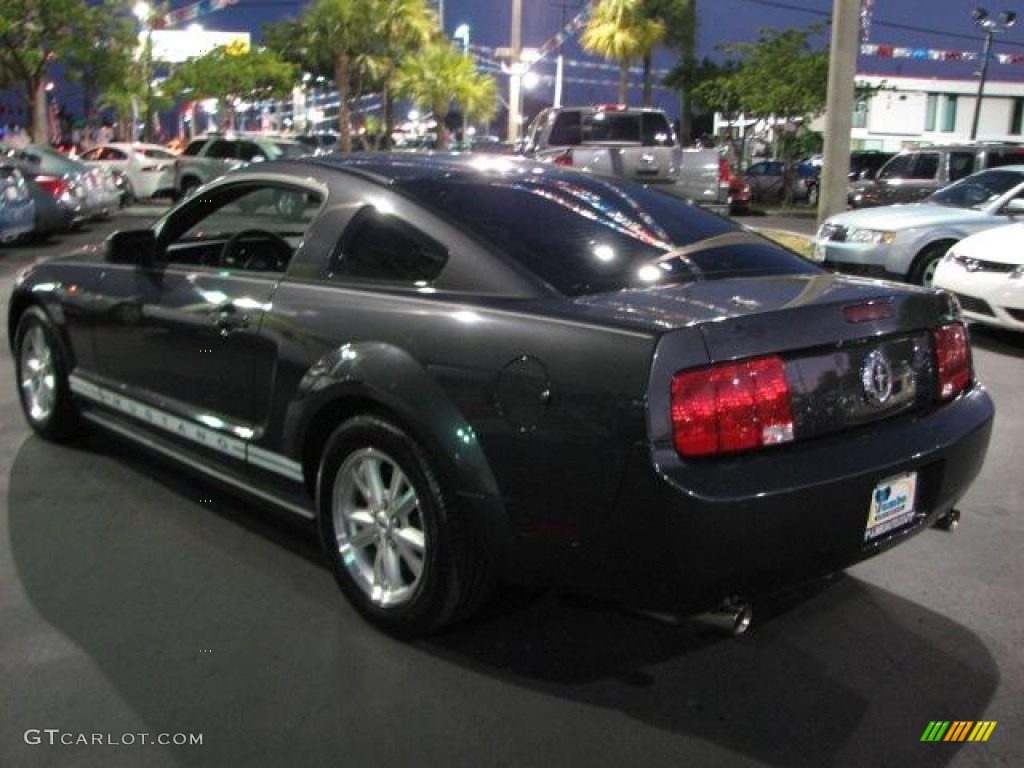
column 565, row 5
column 842, row 70
column 515, row 78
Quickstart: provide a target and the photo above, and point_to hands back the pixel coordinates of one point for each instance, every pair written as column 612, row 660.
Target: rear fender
column 381, row 377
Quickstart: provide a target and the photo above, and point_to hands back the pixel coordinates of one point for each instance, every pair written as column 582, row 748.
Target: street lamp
column 1002, row 22
column 144, row 13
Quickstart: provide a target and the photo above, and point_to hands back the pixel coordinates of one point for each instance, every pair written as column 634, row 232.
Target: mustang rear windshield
column 583, row 236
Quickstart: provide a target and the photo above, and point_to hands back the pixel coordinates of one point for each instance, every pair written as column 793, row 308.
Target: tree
column 338, row 30
column 781, row 76
column 229, row 72
column 400, row 30
column 441, row 74
column 680, row 20
column 101, row 59
column 619, row 30
column 34, row 35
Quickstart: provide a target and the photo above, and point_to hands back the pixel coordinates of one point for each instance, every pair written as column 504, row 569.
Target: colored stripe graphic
column 958, row 730
column 982, row 730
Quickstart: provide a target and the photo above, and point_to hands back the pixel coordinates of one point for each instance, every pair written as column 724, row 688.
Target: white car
column 986, row 273
column 906, row 242
column 148, row 168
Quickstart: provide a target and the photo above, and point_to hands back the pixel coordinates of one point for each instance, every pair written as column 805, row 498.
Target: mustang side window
column 379, row 247
column 252, row 227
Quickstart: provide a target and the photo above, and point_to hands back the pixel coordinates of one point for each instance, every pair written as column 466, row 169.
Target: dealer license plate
column 892, row 505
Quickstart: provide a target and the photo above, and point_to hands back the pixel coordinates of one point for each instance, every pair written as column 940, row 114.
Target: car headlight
column 870, row 236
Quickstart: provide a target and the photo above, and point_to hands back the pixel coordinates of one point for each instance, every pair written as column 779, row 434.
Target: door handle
column 229, row 319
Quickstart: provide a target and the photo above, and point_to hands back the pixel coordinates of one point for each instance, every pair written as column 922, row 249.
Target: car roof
column 391, row 167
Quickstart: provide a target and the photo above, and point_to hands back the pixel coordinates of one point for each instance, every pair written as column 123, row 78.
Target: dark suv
column 915, row 173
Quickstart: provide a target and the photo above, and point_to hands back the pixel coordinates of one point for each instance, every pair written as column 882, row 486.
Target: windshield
column 288, row 149
column 584, row 235
column 978, row 190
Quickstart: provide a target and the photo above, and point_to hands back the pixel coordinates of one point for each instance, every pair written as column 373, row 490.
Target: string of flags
column 930, row 54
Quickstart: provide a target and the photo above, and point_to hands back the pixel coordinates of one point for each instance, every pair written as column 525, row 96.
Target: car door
column 183, row 333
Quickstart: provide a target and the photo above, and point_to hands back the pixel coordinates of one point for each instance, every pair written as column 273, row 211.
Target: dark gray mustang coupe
column 473, row 370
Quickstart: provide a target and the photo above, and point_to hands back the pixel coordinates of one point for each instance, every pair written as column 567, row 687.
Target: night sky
column 944, row 25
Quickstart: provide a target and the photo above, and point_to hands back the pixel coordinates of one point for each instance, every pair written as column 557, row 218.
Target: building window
column 1017, row 118
column 860, row 114
column 931, row 109
column 949, row 116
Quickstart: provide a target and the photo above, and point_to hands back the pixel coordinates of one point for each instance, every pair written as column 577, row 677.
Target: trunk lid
column 853, row 351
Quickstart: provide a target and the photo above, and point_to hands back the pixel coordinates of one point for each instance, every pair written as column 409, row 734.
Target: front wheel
column 400, row 548
column 41, row 372
column 927, row 262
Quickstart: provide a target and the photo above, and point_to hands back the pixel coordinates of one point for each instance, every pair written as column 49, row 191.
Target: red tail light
column 56, row 187
column 724, row 171
column 731, row 407
column 564, row 159
column 952, row 359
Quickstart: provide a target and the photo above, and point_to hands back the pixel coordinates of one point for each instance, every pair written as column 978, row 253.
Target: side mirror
column 131, row 246
column 1015, row 207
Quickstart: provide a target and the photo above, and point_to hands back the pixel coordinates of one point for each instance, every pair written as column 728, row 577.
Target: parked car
column 906, row 242
column 17, row 209
column 767, row 182
column 865, row 164
column 914, row 174
column 986, row 274
column 466, row 369
column 739, row 190
column 207, row 157
column 82, row 193
column 636, row 143
column 148, row 169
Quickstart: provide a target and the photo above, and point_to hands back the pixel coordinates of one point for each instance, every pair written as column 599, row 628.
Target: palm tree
column 340, row 29
column 619, row 30
column 400, row 30
column 440, row 74
column 680, row 20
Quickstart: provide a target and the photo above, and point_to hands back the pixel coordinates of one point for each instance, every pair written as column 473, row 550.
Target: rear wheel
column 812, row 195
column 41, row 372
column 400, row 548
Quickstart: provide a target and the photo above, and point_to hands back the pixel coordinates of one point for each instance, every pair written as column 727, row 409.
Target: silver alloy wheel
column 38, row 376
column 379, row 527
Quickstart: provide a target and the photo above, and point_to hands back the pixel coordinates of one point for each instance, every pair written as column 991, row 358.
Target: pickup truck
column 637, row 143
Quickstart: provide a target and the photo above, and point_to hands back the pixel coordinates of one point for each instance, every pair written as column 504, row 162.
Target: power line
column 876, row 22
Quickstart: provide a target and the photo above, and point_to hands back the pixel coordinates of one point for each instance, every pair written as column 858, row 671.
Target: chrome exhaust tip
column 732, row 617
column 949, row 521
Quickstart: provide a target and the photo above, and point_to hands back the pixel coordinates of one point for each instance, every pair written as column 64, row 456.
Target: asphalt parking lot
column 140, row 605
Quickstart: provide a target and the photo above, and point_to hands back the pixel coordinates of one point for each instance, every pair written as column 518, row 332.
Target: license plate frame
column 893, row 505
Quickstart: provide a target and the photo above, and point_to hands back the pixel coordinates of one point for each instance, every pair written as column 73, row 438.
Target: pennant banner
column 930, row 54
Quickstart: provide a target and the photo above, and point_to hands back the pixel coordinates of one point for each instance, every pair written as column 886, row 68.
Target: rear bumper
column 684, row 537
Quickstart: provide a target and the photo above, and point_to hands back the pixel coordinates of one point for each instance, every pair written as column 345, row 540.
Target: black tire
column 923, row 270
column 812, row 195
column 412, row 567
column 42, row 378
column 188, row 186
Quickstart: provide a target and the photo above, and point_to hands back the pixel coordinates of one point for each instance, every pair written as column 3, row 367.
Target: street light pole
column 1004, row 21
column 462, row 35
column 515, row 75
column 144, row 13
